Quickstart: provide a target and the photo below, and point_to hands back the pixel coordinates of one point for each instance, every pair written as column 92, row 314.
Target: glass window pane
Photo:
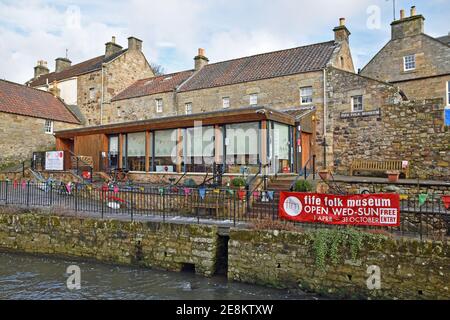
column 242, row 147
column 136, row 151
column 166, row 150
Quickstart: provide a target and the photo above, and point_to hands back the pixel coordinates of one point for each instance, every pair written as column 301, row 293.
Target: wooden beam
column 264, row 142
column 179, row 149
column 120, row 151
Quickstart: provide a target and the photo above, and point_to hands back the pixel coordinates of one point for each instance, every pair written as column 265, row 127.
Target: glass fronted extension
column 195, row 150
column 239, row 140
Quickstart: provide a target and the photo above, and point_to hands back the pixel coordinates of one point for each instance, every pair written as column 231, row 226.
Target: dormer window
column 409, row 62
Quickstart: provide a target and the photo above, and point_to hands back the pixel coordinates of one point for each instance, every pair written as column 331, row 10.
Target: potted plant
column 393, row 175
column 303, row 186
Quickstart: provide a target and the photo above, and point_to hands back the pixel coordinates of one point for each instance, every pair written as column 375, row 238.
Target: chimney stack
column 407, row 26
column 62, row 64
column 134, row 44
column 200, row 60
column 341, row 33
column 112, row 47
column 40, row 69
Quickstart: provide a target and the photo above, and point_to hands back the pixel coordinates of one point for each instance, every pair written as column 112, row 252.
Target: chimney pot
column 201, row 52
column 413, row 11
column 402, row 14
column 342, row 22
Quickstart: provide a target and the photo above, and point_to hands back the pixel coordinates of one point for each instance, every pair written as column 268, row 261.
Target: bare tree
column 158, row 69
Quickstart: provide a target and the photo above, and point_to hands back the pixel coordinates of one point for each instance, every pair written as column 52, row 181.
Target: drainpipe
column 324, row 117
column 102, row 99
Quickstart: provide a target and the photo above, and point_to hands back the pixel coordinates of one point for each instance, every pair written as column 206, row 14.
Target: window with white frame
column 48, row 127
column 253, row 99
column 91, row 94
column 188, row 108
column 306, row 95
column 225, row 102
column 357, row 103
column 159, row 105
column 409, row 62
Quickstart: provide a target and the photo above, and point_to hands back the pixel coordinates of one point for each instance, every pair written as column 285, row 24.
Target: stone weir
column 340, row 263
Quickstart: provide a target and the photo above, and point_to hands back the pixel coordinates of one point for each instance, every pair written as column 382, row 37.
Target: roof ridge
column 27, row 87
column 269, row 52
column 73, row 66
column 164, row 75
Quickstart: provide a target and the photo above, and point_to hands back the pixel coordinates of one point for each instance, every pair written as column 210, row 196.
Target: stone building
column 91, row 84
column 414, row 61
column 28, row 119
column 281, row 80
column 373, row 120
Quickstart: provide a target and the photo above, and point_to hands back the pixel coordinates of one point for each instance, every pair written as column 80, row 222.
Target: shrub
column 238, row 182
column 303, row 186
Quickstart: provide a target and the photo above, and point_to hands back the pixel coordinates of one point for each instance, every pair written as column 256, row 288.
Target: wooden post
column 147, row 151
column 120, row 151
column 217, row 143
column 264, row 142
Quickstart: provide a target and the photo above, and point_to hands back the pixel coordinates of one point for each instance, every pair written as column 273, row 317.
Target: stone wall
column 420, row 89
column 405, row 130
column 141, row 108
column 117, row 75
column 149, row 244
column 409, row 269
column 432, row 59
column 20, row 136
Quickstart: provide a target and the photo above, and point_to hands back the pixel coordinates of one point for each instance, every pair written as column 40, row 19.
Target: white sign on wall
column 54, row 161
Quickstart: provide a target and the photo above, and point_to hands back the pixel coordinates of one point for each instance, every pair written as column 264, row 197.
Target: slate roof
column 444, row 39
column 22, row 100
column 262, row 66
column 75, row 70
column 153, row 85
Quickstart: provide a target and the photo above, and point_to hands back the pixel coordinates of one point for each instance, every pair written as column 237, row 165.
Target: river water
column 36, row 277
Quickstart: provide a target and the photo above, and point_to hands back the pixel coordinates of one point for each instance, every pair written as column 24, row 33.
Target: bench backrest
column 378, row 165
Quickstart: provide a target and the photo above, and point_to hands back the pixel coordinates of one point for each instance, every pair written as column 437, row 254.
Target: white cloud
column 172, row 30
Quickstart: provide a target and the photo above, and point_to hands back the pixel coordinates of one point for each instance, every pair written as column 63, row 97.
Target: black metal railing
column 306, row 171
column 423, row 218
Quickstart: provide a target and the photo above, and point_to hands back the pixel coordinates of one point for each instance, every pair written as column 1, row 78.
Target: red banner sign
column 360, row 209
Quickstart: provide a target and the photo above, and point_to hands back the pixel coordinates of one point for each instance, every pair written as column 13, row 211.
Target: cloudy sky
column 172, row 30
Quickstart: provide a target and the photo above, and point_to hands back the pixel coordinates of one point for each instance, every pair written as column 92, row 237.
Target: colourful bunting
column 15, row 183
column 202, row 193
column 422, row 198
column 446, row 200
column 270, row 194
column 187, row 191
column 116, row 189
column 24, row 184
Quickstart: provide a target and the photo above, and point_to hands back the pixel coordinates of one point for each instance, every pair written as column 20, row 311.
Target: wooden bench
column 378, row 166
